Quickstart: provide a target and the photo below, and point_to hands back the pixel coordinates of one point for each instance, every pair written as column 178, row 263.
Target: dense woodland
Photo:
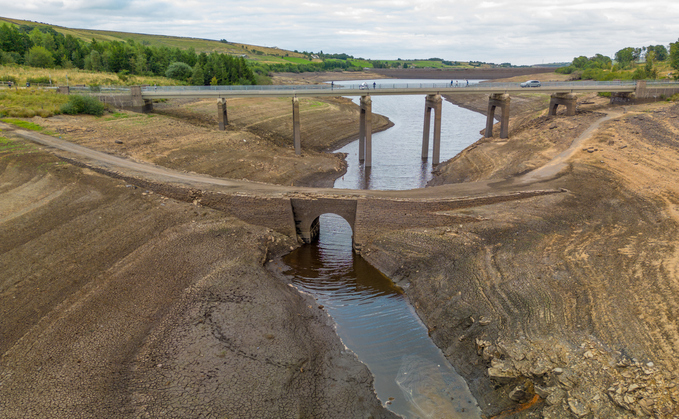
column 46, row 48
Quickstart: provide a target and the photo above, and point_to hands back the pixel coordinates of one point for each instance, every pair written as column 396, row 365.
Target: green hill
column 253, row 52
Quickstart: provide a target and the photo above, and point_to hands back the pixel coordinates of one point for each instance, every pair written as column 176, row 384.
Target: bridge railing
column 382, row 84
column 99, row 90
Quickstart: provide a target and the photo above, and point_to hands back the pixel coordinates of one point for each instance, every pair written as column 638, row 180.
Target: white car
column 363, row 86
column 531, row 83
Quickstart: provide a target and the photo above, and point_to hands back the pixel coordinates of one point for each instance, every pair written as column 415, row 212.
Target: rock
column 543, row 392
column 578, row 409
column 588, row 355
column 522, row 393
column 502, row 374
column 540, row 368
column 557, row 371
column 567, row 380
column 555, row 397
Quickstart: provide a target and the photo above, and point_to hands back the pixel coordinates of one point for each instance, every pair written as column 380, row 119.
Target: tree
column 93, row 61
column 580, row 62
column 39, row 57
column 198, row 77
column 625, row 56
column 178, row 71
column 674, row 55
column 661, row 53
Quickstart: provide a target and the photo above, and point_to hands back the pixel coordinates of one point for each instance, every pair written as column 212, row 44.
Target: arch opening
column 308, row 215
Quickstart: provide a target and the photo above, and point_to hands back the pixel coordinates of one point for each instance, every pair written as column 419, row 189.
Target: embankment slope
column 565, row 302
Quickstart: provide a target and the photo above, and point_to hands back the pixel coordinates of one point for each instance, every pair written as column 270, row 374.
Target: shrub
column 36, row 80
column 13, row 79
column 78, row 104
column 178, row 71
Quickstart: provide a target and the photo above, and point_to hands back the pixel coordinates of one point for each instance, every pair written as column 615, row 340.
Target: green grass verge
column 23, row 124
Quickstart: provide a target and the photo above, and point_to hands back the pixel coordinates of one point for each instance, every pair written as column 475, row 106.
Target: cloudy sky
column 519, row 31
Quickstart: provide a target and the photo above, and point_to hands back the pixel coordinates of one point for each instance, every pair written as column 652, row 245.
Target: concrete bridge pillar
column 365, row 148
column 641, row 91
column 502, row 100
column 221, row 114
column 569, row 100
column 296, row 134
column 432, row 102
column 139, row 104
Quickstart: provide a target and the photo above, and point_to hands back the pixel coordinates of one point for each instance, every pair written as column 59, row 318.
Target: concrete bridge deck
column 171, row 92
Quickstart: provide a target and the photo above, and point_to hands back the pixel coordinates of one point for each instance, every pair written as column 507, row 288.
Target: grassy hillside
column 254, row 52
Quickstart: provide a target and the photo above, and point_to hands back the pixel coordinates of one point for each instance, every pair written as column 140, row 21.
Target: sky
column 522, row 32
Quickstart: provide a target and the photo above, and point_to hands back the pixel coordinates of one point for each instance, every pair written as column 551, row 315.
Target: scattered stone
column 118, row 142
column 578, row 409
column 522, row 393
column 557, row 371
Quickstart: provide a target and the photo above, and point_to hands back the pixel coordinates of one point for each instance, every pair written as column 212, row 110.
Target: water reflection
column 397, row 152
column 376, row 322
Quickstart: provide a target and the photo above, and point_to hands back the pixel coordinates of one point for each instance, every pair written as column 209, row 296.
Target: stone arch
column 307, row 212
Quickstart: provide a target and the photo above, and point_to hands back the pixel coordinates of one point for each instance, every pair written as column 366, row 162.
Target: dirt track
column 122, row 307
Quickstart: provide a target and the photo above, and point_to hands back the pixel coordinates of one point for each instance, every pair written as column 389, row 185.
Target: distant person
column 451, row 83
column 28, row 84
column 374, row 85
column 332, row 85
column 467, row 82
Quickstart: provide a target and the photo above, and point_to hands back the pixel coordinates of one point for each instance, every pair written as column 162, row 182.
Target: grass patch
column 117, row 115
column 23, row 124
column 314, row 104
column 297, row 60
column 27, row 103
column 11, row 146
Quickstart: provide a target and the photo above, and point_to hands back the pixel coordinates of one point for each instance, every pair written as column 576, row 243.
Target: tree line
column 603, row 68
column 46, row 48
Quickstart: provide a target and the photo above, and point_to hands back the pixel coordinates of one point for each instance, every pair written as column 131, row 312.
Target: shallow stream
column 373, row 316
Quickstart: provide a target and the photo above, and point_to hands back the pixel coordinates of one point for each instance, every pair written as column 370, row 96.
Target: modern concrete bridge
column 562, row 94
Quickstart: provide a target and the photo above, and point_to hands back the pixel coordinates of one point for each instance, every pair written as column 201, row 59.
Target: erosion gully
column 372, row 315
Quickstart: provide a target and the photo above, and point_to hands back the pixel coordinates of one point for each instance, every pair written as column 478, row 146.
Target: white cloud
column 521, row 32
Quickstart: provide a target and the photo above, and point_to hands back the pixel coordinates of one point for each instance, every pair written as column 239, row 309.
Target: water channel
column 373, row 316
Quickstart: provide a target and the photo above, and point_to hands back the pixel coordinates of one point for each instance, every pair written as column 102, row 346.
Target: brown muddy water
column 375, row 321
column 373, row 317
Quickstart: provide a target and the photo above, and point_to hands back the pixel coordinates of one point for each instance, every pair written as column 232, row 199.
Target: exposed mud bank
column 119, row 302
column 257, row 145
column 563, row 305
